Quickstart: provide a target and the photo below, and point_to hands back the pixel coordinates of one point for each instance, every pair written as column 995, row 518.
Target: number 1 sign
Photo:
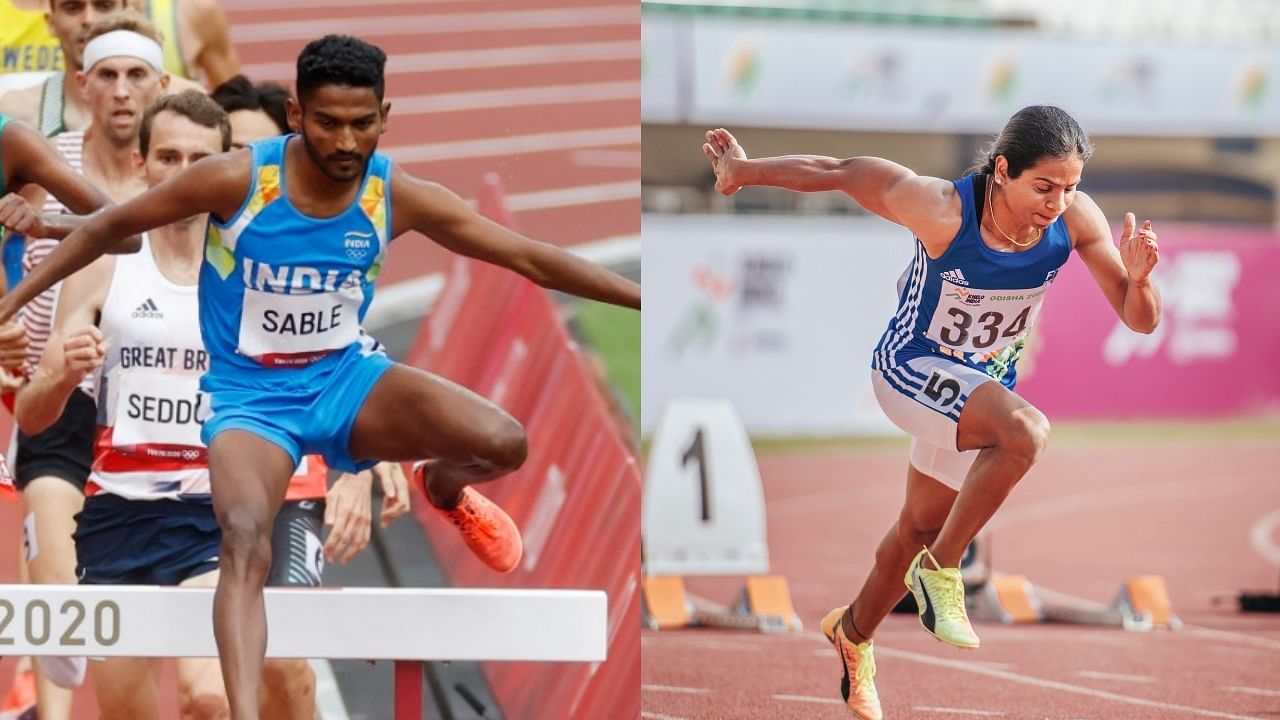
column 703, row 511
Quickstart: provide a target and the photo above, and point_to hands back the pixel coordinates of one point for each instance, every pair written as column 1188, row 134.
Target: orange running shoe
column 20, row 703
column 488, row 530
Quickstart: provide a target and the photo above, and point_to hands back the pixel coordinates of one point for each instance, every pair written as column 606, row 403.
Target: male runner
column 258, row 112
column 299, row 229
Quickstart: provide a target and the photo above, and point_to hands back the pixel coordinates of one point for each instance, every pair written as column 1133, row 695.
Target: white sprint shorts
column 924, row 396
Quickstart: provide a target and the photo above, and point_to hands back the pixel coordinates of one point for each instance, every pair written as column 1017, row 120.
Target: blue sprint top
column 974, row 304
column 283, row 290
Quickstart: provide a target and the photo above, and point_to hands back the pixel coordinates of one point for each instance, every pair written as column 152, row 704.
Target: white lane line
column 1262, row 535
column 1115, row 676
column 519, row 56
column 513, row 144
column 808, row 699
column 422, row 24
column 674, row 689
column 1056, row 685
column 517, row 97
column 609, row 158
column 1251, row 690
column 957, row 711
column 658, row 716
column 1228, row 635
column 567, row 197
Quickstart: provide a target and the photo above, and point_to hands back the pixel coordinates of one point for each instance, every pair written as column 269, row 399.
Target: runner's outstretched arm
column 17, row 215
column 216, row 184
column 446, row 218
column 924, row 204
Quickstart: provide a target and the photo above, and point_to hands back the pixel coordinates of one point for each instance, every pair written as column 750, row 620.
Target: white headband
column 124, row 43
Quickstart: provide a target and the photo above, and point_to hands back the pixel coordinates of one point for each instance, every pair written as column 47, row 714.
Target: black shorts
column 297, row 546
column 64, row 450
column 144, row 542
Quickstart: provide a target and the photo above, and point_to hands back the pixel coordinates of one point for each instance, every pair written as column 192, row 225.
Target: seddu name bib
column 983, row 321
column 283, row 330
column 160, row 415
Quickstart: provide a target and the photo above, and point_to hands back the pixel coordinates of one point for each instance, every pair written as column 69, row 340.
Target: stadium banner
column 753, row 72
column 1214, row 352
column 777, row 314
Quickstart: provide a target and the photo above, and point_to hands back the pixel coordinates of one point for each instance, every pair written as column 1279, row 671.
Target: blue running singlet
column 282, row 298
column 280, row 289
column 973, row 305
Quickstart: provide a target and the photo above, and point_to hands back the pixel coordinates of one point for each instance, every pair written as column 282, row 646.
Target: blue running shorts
column 305, row 411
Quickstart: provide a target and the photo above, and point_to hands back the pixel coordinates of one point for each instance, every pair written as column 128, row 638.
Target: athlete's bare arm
column 1123, row 274
column 39, row 163
column 22, row 104
column 217, row 57
column 446, row 218
column 928, row 206
column 216, row 184
column 17, row 215
column 76, row 347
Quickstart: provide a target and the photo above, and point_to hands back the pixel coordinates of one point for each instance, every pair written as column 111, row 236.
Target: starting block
column 1007, row 599
column 1145, row 599
column 767, row 596
column 763, row 605
column 664, row 604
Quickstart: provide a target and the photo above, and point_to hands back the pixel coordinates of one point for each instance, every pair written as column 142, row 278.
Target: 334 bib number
column 988, row 329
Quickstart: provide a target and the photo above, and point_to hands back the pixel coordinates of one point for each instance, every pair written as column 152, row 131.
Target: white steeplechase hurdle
column 408, row 626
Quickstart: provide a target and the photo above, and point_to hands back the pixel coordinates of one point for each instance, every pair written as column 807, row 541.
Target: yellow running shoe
column 858, row 684
column 940, row 601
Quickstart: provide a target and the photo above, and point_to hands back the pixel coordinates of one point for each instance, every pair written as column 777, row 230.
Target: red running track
column 1089, row 515
column 545, row 93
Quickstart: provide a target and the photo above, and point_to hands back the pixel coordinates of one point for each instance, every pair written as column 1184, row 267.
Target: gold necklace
column 991, row 211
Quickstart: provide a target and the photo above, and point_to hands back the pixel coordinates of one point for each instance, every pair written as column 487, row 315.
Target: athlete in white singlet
column 988, row 246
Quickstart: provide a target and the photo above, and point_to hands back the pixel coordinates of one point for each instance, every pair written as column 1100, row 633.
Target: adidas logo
column 148, row 309
column 955, row 276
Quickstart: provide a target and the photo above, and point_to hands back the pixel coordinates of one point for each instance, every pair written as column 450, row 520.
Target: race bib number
column 157, row 410
column 278, row 329
column 941, row 391
column 983, row 321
